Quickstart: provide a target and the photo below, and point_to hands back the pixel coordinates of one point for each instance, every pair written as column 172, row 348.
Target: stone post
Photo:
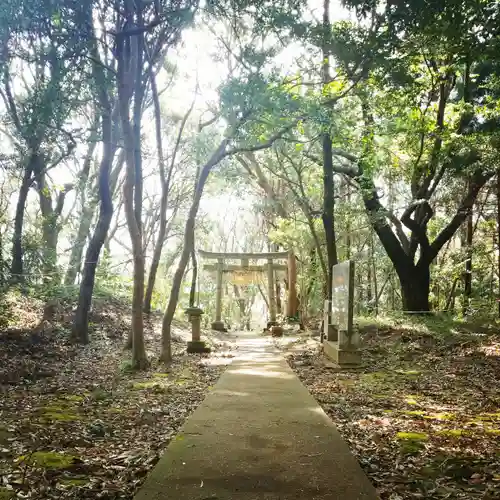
column 326, row 319
column 218, row 323
column 330, row 331
column 196, row 345
column 271, row 292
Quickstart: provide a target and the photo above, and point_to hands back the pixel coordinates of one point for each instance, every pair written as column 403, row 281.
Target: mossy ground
column 426, row 399
column 6, row 494
column 47, row 460
column 74, row 422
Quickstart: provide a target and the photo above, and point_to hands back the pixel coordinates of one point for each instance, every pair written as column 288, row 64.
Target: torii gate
column 221, row 267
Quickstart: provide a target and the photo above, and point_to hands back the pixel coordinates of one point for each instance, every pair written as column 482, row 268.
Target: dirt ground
column 75, row 422
column 422, row 415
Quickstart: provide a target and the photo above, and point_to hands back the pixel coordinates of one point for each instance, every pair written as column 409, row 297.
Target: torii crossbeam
column 221, row 267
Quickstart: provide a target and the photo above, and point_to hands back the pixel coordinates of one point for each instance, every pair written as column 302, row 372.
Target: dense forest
column 369, row 135
column 136, row 132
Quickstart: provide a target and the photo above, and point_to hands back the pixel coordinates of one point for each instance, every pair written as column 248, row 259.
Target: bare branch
column 265, row 144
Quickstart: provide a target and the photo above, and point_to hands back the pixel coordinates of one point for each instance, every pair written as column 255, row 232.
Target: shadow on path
column 258, row 435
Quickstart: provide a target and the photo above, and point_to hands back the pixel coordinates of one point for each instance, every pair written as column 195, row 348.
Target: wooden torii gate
column 221, row 267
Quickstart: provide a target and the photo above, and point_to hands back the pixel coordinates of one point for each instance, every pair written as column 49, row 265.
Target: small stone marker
column 196, row 345
column 330, row 331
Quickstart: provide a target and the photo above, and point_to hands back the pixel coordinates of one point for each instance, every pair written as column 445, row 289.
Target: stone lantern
column 196, row 345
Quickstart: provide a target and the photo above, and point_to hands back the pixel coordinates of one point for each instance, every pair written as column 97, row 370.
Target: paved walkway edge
column 258, row 435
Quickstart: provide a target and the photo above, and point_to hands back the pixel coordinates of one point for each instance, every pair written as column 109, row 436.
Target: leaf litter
column 422, row 415
column 75, row 422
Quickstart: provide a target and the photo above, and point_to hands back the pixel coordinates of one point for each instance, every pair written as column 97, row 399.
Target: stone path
column 258, row 435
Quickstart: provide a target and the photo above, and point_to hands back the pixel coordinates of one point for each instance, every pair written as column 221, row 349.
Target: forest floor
column 75, row 423
column 423, row 413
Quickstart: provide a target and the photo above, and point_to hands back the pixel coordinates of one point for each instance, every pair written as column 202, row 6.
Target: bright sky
column 196, row 66
column 195, row 61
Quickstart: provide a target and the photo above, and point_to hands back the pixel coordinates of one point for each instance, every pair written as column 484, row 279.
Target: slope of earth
column 423, row 413
column 75, row 423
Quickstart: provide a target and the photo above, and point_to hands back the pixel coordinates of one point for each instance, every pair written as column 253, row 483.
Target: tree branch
column 419, row 228
column 265, row 144
column 61, row 198
column 477, row 182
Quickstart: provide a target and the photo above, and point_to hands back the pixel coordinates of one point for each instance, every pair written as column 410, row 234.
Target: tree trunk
column 406, row 270
column 165, row 188
column 328, row 179
column 498, row 238
column 241, row 307
column 449, row 306
column 415, row 287
column 86, row 216
column 155, row 261
column 16, row 269
column 369, row 290
column 80, row 325
column 194, row 278
column 131, row 202
column 469, row 230
column 347, row 231
column 393, row 292
column 361, row 291
column 371, row 264
column 279, row 308
column 75, row 259
column 166, row 354
column 375, row 288
column 49, row 229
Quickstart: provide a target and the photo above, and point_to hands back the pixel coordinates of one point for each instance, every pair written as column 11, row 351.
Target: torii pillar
column 271, row 290
column 218, row 324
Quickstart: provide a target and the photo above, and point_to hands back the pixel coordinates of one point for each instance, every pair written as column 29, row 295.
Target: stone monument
column 342, row 342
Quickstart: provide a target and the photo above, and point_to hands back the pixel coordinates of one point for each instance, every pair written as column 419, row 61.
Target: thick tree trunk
column 16, row 269
column 415, row 279
column 139, row 359
column 129, row 82
column 415, row 287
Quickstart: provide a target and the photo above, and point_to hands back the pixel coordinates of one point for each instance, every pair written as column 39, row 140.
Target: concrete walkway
column 258, row 435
